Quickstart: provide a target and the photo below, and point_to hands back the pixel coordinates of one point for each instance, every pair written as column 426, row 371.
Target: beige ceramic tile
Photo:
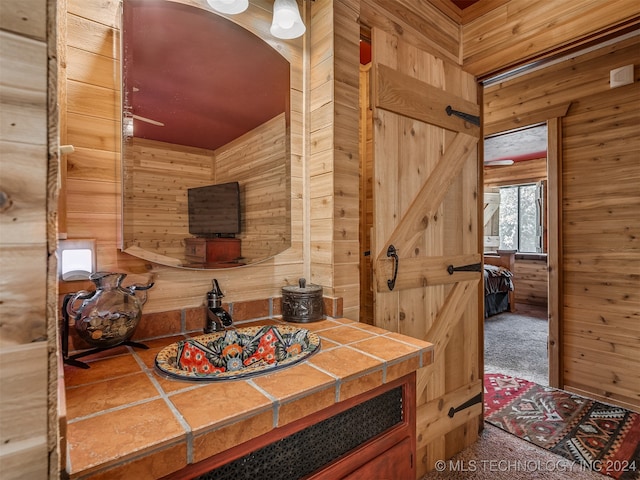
column 407, row 339
column 218, row 402
column 256, row 323
column 149, row 356
column 386, row 348
column 96, row 397
column 352, row 388
column 158, row 324
column 326, row 344
column 102, row 354
column 320, row 325
column 216, row 441
column 370, row 328
column 101, row 369
column 402, row 368
column 130, row 431
column 344, row 362
column 427, row 358
column 195, row 319
column 172, row 385
column 251, row 309
column 333, row 307
column 344, row 320
column 276, row 305
column 293, row 381
column 297, row 409
column 345, row 334
column 150, row 467
column 158, row 344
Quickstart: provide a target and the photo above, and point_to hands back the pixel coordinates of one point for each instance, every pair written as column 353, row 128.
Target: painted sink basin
column 237, row 354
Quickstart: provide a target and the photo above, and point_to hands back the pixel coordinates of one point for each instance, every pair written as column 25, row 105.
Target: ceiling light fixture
column 229, row 6
column 287, row 23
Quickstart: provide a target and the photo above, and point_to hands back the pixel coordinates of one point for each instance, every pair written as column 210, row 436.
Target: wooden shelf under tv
column 218, row 251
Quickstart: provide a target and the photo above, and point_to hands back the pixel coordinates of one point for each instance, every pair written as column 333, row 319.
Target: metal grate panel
column 308, row 450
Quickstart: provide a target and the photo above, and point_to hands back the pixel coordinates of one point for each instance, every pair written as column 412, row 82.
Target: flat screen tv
column 214, row 210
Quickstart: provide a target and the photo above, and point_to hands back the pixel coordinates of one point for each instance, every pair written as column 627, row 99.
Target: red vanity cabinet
column 386, row 414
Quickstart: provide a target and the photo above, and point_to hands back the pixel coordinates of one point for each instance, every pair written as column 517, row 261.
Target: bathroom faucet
column 218, row 319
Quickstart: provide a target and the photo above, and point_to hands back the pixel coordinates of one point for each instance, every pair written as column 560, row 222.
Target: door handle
column 393, row 253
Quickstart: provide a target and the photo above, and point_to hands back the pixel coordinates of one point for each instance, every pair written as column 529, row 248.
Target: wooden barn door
column 427, row 211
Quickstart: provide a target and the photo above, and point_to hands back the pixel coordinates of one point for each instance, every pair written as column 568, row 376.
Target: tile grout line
column 335, row 377
column 102, row 380
column 388, row 336
column 114, row 409
column 107, row 467
column 274, row 401
column 176, row 413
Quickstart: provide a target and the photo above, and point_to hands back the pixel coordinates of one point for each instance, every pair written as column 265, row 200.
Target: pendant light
column 287, row 23
column 229, row 6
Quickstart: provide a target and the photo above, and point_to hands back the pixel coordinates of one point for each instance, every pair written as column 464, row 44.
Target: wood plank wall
column 503, row 34
column 257, row 161
column 91, row 122
column 333, row 153
column 531, row 280
column 155, row 194
column 28, row 195
column 600, row 178
column 600, row 231
column 157, row 176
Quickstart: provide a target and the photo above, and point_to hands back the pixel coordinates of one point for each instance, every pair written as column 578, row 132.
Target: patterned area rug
column 598, row 436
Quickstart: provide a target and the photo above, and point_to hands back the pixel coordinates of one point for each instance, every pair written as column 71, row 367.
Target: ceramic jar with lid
column 302, row 303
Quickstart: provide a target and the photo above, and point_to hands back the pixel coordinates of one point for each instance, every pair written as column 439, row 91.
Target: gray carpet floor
column 516, row 344
column 498, row 455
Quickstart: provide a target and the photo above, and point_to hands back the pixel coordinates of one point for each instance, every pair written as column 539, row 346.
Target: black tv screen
column 214, row 210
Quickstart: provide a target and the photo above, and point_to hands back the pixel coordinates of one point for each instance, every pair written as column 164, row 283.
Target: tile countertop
column 124, row 420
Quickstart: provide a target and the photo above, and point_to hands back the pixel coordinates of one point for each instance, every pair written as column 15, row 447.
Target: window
column 521, row 218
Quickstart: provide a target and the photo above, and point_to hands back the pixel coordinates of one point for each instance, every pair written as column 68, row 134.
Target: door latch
column 473, row 119
column 467, row 404
column 473, row 267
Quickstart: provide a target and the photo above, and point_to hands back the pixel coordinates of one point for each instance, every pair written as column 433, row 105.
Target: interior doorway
column 515, row 182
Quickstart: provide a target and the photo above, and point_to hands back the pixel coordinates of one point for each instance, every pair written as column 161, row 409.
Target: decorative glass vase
column 109, row 315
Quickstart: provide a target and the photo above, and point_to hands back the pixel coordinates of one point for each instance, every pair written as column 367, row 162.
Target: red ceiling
column 188, row 69
column 173, row 56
